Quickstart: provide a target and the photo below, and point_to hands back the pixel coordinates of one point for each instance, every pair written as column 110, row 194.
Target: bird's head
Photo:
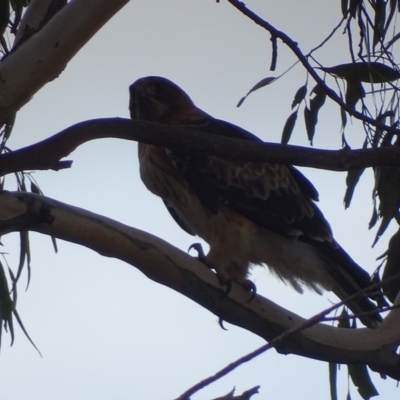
column 157, row 99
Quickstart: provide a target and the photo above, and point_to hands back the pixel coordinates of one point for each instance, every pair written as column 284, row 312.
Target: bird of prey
column 249, row 213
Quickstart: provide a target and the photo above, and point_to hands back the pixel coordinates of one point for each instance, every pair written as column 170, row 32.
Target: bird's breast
column 162, row 178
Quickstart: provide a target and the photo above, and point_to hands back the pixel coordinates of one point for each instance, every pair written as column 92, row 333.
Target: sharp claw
column 199, row 248
column 228, row 289
column 221, row 324
column 250, row 287
column 247, row 284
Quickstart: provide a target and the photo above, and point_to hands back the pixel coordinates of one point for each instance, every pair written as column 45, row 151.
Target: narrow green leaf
column 344, row 321
column 310, row 120
column 288, row 128
column 23, row 252
column 311, row 114
column 379, row 21
column 6, row 302
column 299, row 96
column 374, row 216
column 21, row 325
column 4, row 15
column 352, row 178
column 319, row 99
column 333, row 380
column 258, row 85
column 345, row 7
column 343, row 117
column 372, row 72
column 360, row 376
column 387, row 183
column 354, row 93
column 35, row 188
column 391, row 286
column 354, row 6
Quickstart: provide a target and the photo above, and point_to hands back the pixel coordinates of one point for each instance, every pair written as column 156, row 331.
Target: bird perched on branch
column 249, row 213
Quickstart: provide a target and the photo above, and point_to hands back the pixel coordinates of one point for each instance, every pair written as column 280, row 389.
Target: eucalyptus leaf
column 391, row 286
column 373, row 72
column 288, row 128
column 299, row 96
column 264, row 82
column 352, row 178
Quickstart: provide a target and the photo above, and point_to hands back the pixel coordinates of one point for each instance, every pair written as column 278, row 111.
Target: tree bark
column 44, row 55
column 48, row 153
column 171, row 267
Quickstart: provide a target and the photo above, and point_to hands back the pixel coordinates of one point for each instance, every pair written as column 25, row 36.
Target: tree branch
column 48, row 153
column 171, row 267
column 43, row 56
column 239, row 5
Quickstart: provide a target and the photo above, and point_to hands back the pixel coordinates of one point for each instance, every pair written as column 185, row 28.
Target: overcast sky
column 105, row 330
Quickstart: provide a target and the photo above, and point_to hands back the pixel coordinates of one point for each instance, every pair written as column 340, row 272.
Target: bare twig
column 317, row 318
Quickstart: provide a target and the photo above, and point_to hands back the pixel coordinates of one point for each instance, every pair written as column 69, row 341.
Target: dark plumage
column 249, row 213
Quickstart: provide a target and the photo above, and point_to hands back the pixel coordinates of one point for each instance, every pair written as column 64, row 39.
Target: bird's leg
column 225, row 277
column 222, row 277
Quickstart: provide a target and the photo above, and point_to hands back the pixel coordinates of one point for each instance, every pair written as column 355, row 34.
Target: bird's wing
column 278, row 198
column 274, row 196
column 180, row 221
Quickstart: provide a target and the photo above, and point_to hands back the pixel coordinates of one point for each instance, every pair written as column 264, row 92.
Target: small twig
column 361, row 314
column 328, row 37
column 317, row 318
column 274, row 53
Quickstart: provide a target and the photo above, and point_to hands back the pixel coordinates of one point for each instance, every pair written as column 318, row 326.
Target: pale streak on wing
column 267, row 194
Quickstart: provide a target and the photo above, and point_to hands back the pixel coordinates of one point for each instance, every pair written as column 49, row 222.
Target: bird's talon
column 228, row 289
column 221, row 324
column 199, row 248
column 251, row 287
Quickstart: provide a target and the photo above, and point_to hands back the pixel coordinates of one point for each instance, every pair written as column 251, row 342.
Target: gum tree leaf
column 372, row 72
column 374, row 216
column 354, row 93
column 391, row 286
column 311, row 114
column 4, row 15
column 258, row 85
column 343, row 117
column 333, row 367
column 311, row 121
column 345, row 7
column 352, row 178
column 6, row 303
column 354, row 6
column 299, row 96
column 387, row 183
column 379, row 21
column 358, row 372
column 360, row 376
column 288, row 128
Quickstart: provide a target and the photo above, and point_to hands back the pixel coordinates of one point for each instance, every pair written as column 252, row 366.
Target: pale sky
column 104, row 329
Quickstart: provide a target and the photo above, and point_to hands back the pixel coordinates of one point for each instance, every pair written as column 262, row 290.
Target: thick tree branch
column 45, row 54
column 169, row 266
column 48, row 153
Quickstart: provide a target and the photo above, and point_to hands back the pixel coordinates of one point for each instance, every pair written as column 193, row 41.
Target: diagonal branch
column 171, row 267
column 44, row 55
column 48, row 153
column 289, row 42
